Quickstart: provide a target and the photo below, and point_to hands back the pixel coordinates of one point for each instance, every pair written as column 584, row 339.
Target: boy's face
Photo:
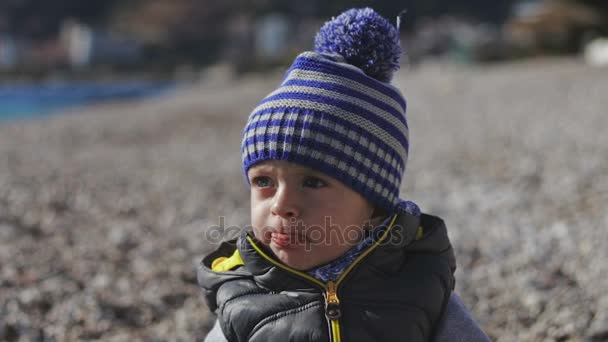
column 306, row 217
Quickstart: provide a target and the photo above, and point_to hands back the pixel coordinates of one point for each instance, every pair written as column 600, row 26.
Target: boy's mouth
column 286, row 240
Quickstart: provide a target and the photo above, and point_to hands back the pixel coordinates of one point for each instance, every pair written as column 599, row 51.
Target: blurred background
column 61, row 53
column 120, row 127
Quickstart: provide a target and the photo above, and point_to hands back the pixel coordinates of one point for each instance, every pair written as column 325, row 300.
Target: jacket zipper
column 332, row 310
column 332, row 301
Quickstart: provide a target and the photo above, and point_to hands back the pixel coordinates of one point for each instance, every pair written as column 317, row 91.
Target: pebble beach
column 104, row 209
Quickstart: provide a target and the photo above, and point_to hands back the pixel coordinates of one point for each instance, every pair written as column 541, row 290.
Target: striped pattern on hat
column 330, row 116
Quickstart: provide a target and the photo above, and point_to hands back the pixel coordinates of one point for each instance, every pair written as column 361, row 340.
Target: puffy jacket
column 396, row 290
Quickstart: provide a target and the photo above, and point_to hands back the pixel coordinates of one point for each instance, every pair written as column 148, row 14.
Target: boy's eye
column 314, row 182
column 262, row 181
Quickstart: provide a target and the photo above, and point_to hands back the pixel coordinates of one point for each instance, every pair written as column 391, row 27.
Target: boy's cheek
column 260, row 207
column 258, row 221
column 264, row 235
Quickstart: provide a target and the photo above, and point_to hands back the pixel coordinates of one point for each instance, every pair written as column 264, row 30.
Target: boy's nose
column 285, row 203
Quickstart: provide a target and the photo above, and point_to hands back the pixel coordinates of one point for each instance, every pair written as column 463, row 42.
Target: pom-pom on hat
column 365, row 40
column 336, row 112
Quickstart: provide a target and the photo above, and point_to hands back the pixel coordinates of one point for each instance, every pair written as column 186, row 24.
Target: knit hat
column 336, row 112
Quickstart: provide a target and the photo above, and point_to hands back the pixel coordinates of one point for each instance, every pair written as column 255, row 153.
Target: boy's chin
column 297, row 260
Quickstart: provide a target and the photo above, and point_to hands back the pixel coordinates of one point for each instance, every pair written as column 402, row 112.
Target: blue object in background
column 37, row 100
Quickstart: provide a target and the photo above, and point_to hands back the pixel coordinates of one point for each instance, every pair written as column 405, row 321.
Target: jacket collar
column 388, row 256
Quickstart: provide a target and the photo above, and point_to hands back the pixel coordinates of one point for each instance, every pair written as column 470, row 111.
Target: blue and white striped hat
column 336, row 112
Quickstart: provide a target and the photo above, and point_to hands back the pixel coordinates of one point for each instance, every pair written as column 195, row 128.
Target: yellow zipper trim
column 335, row 331
column 331, row 288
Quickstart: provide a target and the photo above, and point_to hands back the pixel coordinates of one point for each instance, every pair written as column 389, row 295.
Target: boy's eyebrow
column 296, row 168
column 309, row 171
column 299, row 169
column 262, row 168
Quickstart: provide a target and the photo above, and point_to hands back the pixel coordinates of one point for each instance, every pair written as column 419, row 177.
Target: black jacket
column 396, row 291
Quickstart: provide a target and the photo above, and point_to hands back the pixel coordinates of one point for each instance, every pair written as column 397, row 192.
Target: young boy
column 334, row 254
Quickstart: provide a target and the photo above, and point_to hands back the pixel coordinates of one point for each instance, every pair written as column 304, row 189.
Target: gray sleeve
column 457, row 324
column 216, row 334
